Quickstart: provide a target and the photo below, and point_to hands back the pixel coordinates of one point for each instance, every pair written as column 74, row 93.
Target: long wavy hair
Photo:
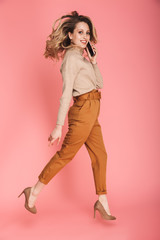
column 59, row 39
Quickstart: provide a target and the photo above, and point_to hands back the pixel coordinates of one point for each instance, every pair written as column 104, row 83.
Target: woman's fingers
column 94, row 49
column 56, row 134
column 51, row 141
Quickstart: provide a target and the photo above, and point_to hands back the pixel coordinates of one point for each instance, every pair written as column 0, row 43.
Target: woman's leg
column 72, row 142
column 80, row 124
column 35, row 190
column 81, row 118
column 96, row 149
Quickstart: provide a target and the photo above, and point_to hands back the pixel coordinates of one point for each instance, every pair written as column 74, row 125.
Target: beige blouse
column 79, row 76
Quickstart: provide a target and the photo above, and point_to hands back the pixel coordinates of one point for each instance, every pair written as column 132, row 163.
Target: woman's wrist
column 58, row 126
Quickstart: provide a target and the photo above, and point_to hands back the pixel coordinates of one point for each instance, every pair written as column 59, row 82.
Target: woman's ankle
column 34, row 192
column 37, row 188
column 32, row 198
column 103, row 200
column 102, row 197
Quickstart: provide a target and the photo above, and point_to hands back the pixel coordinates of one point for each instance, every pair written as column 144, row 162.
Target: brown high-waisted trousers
column 83, row 128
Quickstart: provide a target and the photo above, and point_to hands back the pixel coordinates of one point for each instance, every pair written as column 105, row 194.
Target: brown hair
column 59, row 39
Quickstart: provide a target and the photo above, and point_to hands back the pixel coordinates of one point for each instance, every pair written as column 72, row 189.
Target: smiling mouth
column 83, row 41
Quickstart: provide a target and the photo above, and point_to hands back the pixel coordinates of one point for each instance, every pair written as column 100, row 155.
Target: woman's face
column 80, row 35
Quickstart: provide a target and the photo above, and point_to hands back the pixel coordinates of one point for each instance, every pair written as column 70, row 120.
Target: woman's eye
column 82, row 32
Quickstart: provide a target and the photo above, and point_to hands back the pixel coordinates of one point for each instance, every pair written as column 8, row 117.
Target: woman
column 81, row 80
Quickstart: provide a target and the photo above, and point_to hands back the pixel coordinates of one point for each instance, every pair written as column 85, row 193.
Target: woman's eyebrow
column 82, row 29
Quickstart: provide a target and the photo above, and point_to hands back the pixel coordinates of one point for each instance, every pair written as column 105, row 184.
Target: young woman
column 81, row 80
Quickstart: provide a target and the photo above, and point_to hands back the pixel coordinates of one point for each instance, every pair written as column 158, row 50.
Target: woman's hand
column 92, row 59
column 56, row 134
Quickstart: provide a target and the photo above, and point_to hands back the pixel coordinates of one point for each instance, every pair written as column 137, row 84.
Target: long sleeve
column 69, row 70
column 99, row 79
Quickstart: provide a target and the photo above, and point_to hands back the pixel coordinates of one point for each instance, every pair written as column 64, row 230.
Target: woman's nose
column 84, row 35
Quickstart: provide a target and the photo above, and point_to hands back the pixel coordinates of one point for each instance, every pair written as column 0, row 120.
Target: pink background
column 31, row 86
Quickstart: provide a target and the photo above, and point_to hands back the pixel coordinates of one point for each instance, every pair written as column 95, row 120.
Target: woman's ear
column 70, row 35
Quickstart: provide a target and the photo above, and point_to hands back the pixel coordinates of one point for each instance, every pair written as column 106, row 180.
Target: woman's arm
column 99, row 79
column 69, row 71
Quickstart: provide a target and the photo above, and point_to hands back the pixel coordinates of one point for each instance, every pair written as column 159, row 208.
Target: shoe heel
column 20, row 194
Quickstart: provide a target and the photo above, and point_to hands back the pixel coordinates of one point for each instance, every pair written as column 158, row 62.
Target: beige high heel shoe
column 98, row 206
column 26, row 192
